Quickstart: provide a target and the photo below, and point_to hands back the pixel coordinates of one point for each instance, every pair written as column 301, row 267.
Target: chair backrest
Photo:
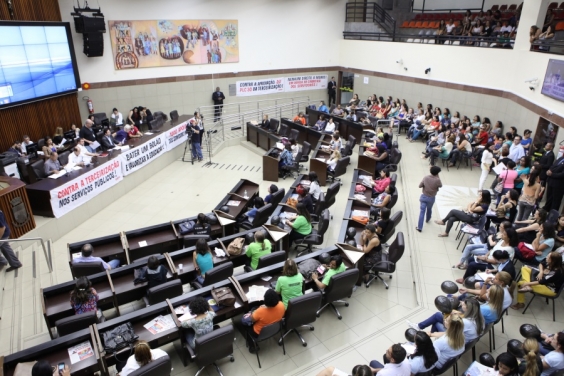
column 191, row 240
column 396, row 218
column 321, row 204
column 277, row 196
column 271, row 259
column 84, row 269
column 165, row 291
column 294, row 133
column 306, row 149
column 159, row 113
column 448, row 364
column 341, row 285
column 41, row 143
column 301, row 310
column 159, row 367
column 391, row 229
column 332, row 193
column 64, row 158
column 218, row 274
column 395, row 253
column 341, row 166
column 352, row 140
column 270, row 330
column 213, row 346
column 332, row 108
column 393, row 200
column 174, row 115
column 552, row 216
column 75, row 323
column 39, row 169
column 323, row 225
column 395, row 156
column 347, row 150
column 283, row 131
column 99, row 117
column 393, row 179
column 262, row 215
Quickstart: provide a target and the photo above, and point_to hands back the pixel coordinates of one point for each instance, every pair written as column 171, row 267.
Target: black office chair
column 191, row 240
column 99, row 118
column 395, row 158
column 393, row 180
column 283, row 130
column 347, row 150
column 472, row 346
column 301, row 313
column 340, row 287
column 316, row 236
column 159, row 367
column 393, row 200
column 391, row 229
column 211, row 347
column 388, row 262
column 260, row 218
column 331, row 193
column 332, row 108
column 161, row 114
column 268, row 260
column 273, row 127
column 75, row 323
column 38, row 168
column 320, row 205
column 277, row 197
column 294, row 133
column 289, row 170
column 40, row 143
column 340, row 169
column 160, row 293
column 64, row 158
column 306, row 149
column 267, row 332
column 84, row 269
column 215, row 275
column 174, row 115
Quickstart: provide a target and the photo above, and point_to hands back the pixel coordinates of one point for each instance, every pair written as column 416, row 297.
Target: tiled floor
column 375, row 317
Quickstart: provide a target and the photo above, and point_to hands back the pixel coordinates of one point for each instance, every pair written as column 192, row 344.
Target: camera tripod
column 208, row 144
column 188, row 146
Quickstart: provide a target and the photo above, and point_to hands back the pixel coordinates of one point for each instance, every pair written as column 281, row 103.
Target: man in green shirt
column 336, row 266
column 258, row 248
column 289, row 285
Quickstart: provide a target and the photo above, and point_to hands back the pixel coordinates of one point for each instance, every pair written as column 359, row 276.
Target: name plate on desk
column 138, row 157
column 78, row 191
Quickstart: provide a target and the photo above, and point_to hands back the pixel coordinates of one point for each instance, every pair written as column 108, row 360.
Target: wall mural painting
column 144, row 44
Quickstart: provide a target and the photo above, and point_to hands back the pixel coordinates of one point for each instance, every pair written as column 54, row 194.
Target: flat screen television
column 37, row 61
column 553, row 84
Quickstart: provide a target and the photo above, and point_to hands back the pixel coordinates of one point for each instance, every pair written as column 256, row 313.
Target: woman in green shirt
column 301, row 226
column 258, row 248
column 290, row 284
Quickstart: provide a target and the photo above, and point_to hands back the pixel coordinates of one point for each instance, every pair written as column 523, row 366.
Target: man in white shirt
column 516, row 151
column 83, row 150
column 397, row 365
column 25, row 143
column 78, row 159
column 117, row 117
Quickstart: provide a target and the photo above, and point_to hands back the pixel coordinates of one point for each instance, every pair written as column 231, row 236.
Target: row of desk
column 345, row 127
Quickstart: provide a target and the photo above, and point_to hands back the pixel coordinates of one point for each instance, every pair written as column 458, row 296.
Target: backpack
column 186, row 227
column 236, row 246
column 307, row 267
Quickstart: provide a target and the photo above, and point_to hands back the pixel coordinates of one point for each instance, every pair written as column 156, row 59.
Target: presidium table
column 56, row 197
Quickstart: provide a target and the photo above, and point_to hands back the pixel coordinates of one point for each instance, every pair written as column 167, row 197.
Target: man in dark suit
column 108, row 142
column 332, row 90
column 555, row 185
column 546, row 161
column 218, row 99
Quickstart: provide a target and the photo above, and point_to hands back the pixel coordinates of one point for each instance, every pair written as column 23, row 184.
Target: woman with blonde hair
column 451, row 344
column 532, row 363
column 59, row 135
column 493, row 310
column 332, row 162
column 143, row 355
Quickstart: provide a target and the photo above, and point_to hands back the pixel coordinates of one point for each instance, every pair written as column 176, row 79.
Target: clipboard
column 224, row 219
column 275, row 232
column 352, row 253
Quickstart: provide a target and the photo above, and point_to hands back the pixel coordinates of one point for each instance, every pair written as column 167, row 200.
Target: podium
column 15, row 206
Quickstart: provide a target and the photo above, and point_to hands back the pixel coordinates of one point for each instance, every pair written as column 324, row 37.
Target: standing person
column 332, row 91
column 546, row 161
column 117, row 117
column 487, row 160
column 430, row 186
column 555, row 185
column 88, row 135
column 218, row 98
column 196, row 138
column 9, row 255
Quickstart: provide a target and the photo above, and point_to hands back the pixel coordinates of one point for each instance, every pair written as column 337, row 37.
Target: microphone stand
column 208, row 143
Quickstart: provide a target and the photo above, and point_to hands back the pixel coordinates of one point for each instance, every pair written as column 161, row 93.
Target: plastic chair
column 553, row 298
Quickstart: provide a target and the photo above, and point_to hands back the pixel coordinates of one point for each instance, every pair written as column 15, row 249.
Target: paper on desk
column 321, row 159
column 233, row 203
column 305, row 182
column 277, row 235
column 186, row 316
column 256, row 293
column 360, row 213
column 182, row 309
column 280, row 145
column 143, row 243
column 266, row 278
column 409, row 348
column 295, row 196
column 56, row 176
column 125, row 147
column 499, row 168
column 148, row 133
column 80, row 352
column 75, row 255
column 76, row 168
column 160, row 324
column 360, row 197
column 353, row 256
column 219, row 252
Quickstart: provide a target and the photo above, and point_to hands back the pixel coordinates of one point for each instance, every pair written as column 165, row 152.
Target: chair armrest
column 191, row 352
column 384, row 262
column 308, row 237
column 196, row 285
column 248, row 269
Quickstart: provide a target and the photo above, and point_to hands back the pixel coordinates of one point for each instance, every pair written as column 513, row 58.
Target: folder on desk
column 352, row 253
column 224, row 219
column 275, row 232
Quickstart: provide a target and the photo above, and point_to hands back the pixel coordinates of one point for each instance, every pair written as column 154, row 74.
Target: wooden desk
column 106, row 247
column 320, row 167
column 304, row 133
column 346, row 127
column 14, row 203
column 270, row 166
column 364, row 162
column 160, row 239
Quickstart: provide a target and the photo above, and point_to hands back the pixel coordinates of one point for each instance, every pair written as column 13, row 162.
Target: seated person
column 294, row 148
column 155, row 274
column 134, row 132
column 86, row 256
column 44, row 368
column 502, row 279
column 338, row 111
column 52, row 165
column 265, row 123
column 200, row 325
column 301, row 226
column 315, row 189
column 472, row 214
column 77, row 159
column 383, row 199
column 286, row 159
column 335, row 143
column 425, row 356
column 108, row 141
column 330, row 126
column 506, row 365
column 541, row 246
column 545, row 342
column 379, row 185
column 83, row 150
column 270, row 312
column 290, row 284
column 258, row 248
column 320, row 123
column 203, row 260
column 506, row 241
column 202, row 227
column 251, row 214
column 58, row 137
column 371, row 247
column 143, row 355
column 49, row 147
column 305, row 198
column 271, row 190
column 554, row 360
column 451, row 344
column 335, row 266
column 300, row 119
column 333, row 159
column 358, row 370
column 396, row 364
column 16, row 149
column 384, row 222
column 323, row 107
column 26, row 142
column 383, row 158
column 527, row 229
column 84, row 297
column 122, row 135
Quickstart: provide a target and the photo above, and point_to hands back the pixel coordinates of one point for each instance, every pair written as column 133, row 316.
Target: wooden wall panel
column 38, row 119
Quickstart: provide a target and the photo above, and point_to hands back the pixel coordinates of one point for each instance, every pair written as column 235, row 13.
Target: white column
column 533, row 13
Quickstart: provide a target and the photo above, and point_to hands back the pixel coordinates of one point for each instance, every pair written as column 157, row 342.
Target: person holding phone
column 43, row 368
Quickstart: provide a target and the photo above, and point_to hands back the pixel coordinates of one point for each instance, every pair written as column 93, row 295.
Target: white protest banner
column 86, row 186
column 140, row 156
column 176, row 136
column 299, row 83
column 260, row 87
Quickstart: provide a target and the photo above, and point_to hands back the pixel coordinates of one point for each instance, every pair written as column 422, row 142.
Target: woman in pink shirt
column 508, row 177
column 382, row 183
